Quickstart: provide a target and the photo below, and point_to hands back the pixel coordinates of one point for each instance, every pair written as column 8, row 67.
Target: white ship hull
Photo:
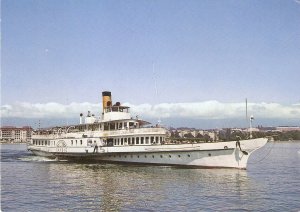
column 207, row 155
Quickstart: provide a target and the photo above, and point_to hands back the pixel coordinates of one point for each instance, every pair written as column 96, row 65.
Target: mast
column 156, row 92
column 250, row 120
column 246, row 111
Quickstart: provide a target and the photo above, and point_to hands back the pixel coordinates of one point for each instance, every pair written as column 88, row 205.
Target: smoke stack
column 106, row 99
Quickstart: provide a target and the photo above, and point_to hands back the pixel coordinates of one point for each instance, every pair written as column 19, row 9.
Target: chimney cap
column 106, row 93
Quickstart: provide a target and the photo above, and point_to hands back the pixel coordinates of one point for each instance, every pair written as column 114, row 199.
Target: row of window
column 42, row 142
column 145, row 156
column 48, row 143
column 117, row 141
column 75, row 142
column 138, row 140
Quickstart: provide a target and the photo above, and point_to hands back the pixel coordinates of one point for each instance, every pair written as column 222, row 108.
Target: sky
column 185, row 62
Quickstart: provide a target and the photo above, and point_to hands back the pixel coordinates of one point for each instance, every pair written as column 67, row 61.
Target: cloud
column 196, row 110
column 46, row 110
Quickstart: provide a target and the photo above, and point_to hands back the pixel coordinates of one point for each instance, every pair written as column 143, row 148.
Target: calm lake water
column 30, row 183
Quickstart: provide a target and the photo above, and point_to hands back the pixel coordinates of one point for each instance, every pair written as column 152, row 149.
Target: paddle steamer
column 116, row 136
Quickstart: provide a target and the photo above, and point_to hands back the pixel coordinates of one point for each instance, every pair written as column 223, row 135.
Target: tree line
column 231, row 135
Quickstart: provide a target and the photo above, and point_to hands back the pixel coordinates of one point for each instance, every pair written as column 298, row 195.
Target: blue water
column 31, row 183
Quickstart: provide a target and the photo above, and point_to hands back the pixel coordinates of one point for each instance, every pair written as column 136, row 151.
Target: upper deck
column 116, row 120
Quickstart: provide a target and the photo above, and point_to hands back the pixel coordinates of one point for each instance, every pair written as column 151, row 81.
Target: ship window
column 189, row 155
column 125, row 140
column 142, row 140
column 80, row 142
column 156, row 139
column 152, row 140
column 112, row 126
column 179, row 156
column 133, row 140
column 147, row 140
column 72, row 142
column 129, row 141
column 131, row 124
column 160, row 139
column 170, row 156
column 121, row 141
column 137, row 140
column 118, row 141
column 161, row 156
column 105, row 126
column 145, row 156
column 153, row 156
column 54, row 143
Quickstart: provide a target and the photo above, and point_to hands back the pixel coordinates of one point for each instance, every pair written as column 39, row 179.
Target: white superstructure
column 118, row 137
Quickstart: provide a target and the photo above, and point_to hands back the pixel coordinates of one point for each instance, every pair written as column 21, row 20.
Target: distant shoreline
column 13, row 143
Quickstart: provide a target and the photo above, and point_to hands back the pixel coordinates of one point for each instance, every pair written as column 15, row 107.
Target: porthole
column 161, row 156
column 125, row 156
column 189, row 155
column 138, row 156
column 179, row 156
column 153, row 156
column 145, row 156
column 209, row 154
column 170, row 156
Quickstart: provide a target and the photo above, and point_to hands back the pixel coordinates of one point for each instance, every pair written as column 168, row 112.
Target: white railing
column 135, row 131
column 154, row 130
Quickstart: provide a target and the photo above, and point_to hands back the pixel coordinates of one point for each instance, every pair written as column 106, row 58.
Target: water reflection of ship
column 116, row 187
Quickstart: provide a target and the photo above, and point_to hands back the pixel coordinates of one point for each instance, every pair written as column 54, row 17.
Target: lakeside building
column 287, row 128
column 14, row 134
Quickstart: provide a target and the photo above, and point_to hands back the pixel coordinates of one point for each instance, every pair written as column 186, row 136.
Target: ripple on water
column 34, row 183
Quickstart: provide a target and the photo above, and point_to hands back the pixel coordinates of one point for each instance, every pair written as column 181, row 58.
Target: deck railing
column 154, row 130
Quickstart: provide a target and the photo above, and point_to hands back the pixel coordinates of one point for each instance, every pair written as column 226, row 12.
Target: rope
column 265, row 155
